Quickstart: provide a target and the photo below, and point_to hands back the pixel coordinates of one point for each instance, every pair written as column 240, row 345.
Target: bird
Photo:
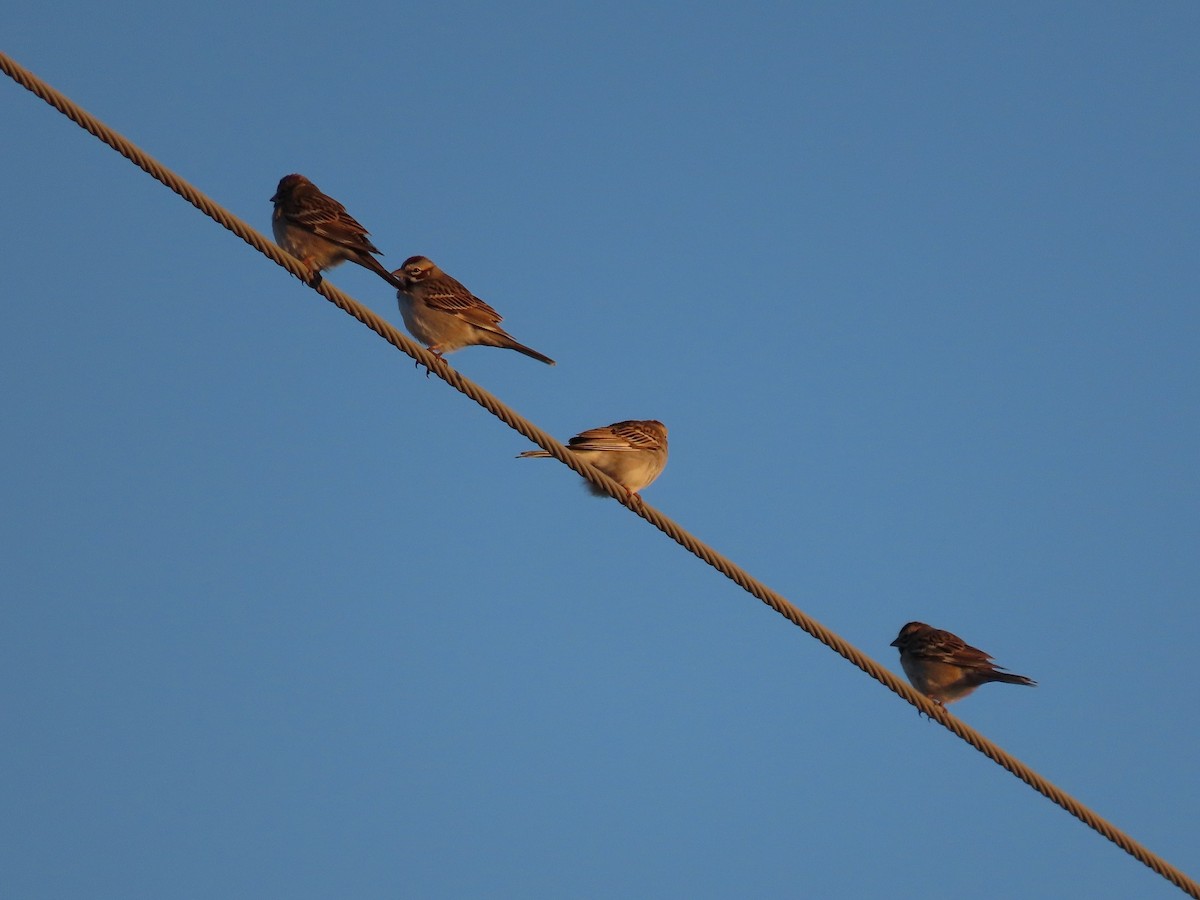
column 944, row 667
column 633, row 453
column 318, row 231
column 441, row 313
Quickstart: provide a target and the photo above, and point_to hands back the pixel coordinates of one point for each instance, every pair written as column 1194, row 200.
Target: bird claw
column 437, row 354
column 315, row 277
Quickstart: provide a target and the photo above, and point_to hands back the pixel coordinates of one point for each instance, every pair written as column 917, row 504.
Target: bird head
column 415, row 269
column 288, row 184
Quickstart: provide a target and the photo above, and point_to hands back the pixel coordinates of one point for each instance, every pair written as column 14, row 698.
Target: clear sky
column 915, row 288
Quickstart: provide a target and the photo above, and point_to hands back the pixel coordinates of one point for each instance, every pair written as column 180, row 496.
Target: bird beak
column 895, row 643
column 275, row 197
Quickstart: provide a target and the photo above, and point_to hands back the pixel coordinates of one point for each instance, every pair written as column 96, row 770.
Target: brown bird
column 318, row 231
column 442, row 314
column 633, row 453
column 945, row 668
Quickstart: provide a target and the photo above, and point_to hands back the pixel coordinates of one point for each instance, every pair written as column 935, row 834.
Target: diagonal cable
column 514, row 420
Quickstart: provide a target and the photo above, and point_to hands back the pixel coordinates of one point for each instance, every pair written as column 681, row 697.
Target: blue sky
column 914, row 287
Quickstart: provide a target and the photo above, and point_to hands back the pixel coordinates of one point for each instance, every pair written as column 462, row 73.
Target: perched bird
column 445, row 316
column 318, row 231
column 945, row 668
column 633, row 452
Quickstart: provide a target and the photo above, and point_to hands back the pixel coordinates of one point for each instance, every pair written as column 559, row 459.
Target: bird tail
column 1009, row 678
column 529, row 351
column 542, row 454
column 370, row 262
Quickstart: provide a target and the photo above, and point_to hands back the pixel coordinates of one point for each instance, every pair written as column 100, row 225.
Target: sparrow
column 441, row 313
column 633, row 453
column 318, row 231
column 945, row 668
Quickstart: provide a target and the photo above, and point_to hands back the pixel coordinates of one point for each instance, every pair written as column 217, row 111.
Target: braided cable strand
column 517, row 422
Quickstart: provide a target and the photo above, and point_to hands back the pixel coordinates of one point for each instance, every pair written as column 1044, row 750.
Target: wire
column 667, row 526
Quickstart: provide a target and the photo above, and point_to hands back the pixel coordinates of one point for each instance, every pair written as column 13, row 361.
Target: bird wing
column 324, row 216
column 623, row 436
column 449, row 296
column 942, row 646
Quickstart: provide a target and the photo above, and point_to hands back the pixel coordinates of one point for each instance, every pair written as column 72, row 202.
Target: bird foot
column 435, row 352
